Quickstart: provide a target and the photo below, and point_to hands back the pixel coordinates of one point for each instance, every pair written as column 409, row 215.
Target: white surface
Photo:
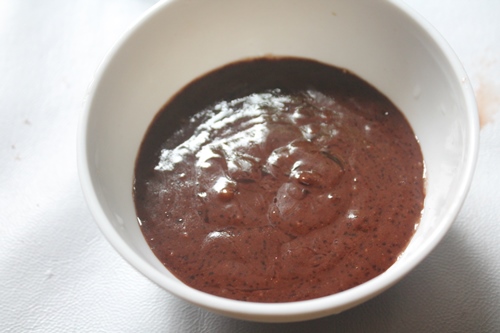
column 420, row 74
column 58, row 273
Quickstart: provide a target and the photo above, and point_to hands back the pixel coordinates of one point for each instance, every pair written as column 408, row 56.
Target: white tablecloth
column 59, row 274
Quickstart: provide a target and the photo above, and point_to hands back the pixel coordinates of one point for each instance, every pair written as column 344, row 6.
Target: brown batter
column 277, row 180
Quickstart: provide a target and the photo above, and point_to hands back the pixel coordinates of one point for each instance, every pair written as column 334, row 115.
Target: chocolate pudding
column 278, row 180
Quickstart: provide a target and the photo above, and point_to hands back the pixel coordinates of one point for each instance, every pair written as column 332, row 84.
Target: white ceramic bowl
column 384, row 42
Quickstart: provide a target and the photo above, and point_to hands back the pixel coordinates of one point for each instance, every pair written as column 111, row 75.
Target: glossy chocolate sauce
column 277, row 180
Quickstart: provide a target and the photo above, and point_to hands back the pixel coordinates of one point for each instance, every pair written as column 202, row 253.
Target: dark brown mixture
column 277, row 180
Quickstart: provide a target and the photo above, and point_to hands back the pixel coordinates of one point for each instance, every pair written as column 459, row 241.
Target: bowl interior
column 177, row 41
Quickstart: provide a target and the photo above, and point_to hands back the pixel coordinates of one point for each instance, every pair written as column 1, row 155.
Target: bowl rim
column 289, row 311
